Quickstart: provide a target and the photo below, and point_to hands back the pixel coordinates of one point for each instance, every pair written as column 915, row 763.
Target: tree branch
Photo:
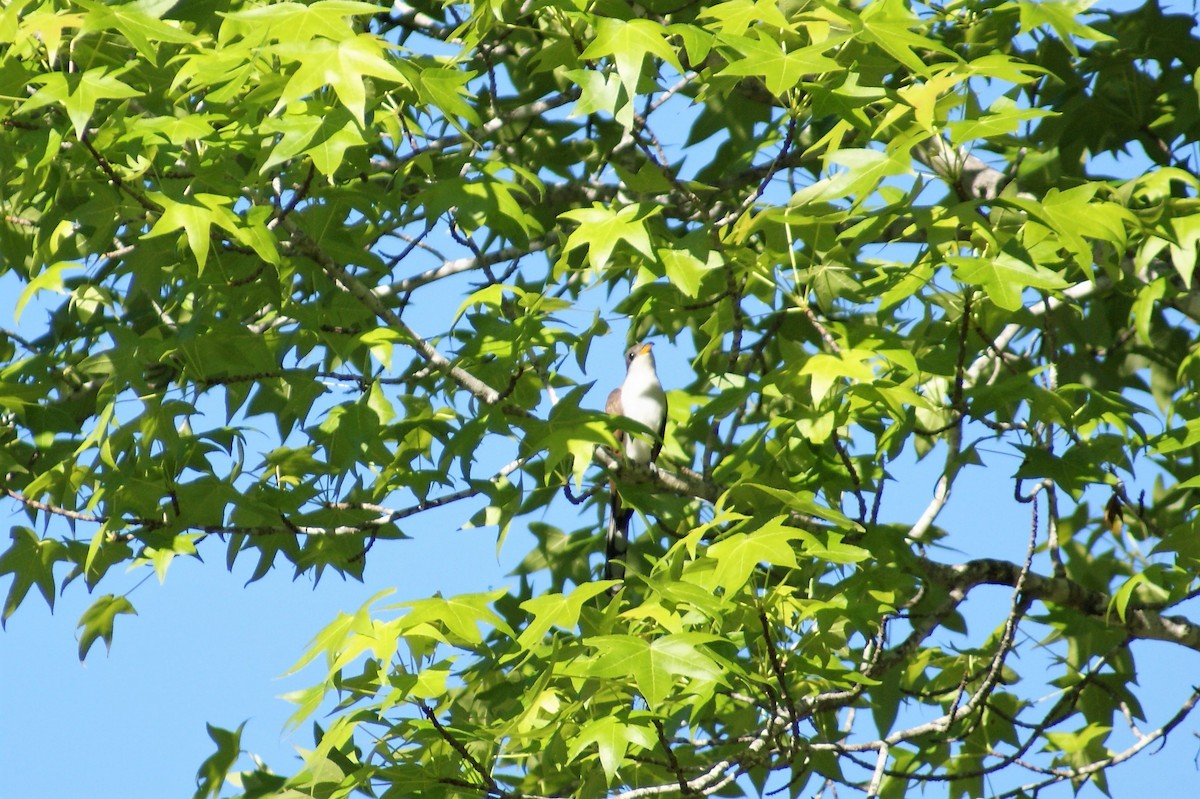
column 1143, row 623
column 971, row 177
column 1061, row 774
column 459, row 265
column 352, row 285
column 462, row 750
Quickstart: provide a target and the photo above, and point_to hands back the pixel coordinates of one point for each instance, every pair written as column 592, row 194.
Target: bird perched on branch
column 642, row 399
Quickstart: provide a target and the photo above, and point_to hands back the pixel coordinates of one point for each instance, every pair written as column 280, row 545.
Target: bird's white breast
column 643, row 400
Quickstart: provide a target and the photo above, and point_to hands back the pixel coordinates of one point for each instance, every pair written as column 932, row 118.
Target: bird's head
column 643, row 350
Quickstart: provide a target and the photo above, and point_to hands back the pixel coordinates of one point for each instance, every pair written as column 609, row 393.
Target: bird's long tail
column 617, row 541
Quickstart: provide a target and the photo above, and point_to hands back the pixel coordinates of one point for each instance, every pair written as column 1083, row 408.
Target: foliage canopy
column 309, row 270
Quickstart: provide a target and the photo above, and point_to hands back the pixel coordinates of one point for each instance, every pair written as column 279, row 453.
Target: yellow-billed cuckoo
column 640, row 398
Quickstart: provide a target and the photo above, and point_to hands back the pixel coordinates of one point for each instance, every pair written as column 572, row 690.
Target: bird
column 642, row 399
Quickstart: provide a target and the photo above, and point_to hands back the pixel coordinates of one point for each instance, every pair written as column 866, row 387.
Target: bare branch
column 55, row 510
column 1062, row 774
column 460, row 265
column 877, row 777
column 482, row 133
column 941, row 491
column 1000, row 343
column 672, row 761
column 1138, row 622
column 481, row 390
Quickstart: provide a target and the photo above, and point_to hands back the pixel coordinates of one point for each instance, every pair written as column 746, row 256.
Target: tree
column 883, row 234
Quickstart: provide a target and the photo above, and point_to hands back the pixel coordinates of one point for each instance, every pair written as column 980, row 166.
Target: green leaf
column 447, row 89
column 97, row 621
column 1075, row 216
column 461, row 616
column 162, row 557
column 1185, row 237
column 1004, row 117
column 196, row 220
column 892, row 30
column 685, row 271
column 1004, row 278
column 780, row 69
column 332, row 639
column 297, row 22
column 825, row 370
column 343, row 65
column 1122, row 596
column 863, row 171
column 655, row 665
column 598, row 92
column 834, row 549
column 1144, row 306
column 49, row 279
column 612, row 739
column 802, row 502
column 214, row 771
column 30, row 560
column 140, row 22
column 628, row 42
column 601, row 229
column 1063, row 17
column 739, row 554
column 1178, row 439
column 80, row 94
column 556, row 610
column 697, row 42
column 736, row 16
column 1082, row 746
column 329, row 151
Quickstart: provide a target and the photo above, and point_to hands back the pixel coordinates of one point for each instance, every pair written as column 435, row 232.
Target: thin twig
column 780, row 676
column 462, row 750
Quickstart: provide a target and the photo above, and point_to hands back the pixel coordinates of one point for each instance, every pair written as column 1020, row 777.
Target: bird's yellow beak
column 645, row 348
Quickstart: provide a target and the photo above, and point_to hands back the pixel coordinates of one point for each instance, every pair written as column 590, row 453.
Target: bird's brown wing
column 612, row 406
